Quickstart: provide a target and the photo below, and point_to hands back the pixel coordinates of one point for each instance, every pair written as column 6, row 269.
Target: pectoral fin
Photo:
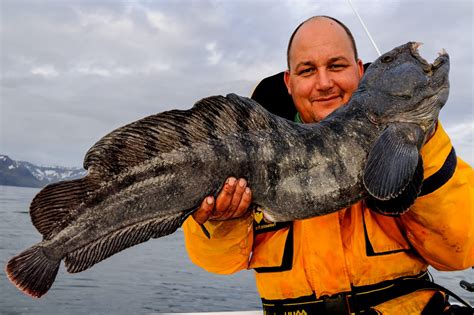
column 393, row 163
column 401, row 203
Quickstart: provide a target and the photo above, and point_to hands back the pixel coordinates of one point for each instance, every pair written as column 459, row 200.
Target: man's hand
column 233, row 201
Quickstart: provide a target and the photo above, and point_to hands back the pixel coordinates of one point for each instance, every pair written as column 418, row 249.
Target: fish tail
column 32, row 271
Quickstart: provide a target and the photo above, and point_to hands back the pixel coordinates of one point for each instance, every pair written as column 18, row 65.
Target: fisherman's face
column 323, row 73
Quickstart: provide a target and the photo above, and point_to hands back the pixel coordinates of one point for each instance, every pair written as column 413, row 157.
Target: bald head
column 323, row 68
column 321, row 23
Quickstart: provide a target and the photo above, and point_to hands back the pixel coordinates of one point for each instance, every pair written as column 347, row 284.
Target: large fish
column 146, row 178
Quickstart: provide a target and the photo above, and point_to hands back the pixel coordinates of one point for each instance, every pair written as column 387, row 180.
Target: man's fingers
column 224, row 198
column 205, row 210
column 244, row 203
column 239, row 191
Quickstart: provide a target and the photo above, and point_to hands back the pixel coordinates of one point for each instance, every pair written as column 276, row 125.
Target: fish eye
column 387, row 59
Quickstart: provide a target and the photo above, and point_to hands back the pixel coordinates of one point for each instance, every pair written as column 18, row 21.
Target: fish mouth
column 429, row 68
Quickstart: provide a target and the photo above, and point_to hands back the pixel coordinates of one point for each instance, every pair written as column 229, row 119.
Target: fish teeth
column 439, row 60
column 417, row 45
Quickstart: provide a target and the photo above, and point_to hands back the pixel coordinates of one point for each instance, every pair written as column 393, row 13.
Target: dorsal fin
column 135, row 143
column 210, row 118
column 56, row 201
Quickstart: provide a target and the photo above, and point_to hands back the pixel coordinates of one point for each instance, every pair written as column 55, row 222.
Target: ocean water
column 153, row 277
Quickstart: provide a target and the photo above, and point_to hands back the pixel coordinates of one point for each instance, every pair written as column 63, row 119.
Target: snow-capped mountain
column 20, row 173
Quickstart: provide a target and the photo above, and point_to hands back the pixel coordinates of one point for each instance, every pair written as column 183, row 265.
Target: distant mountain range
column 25, row 174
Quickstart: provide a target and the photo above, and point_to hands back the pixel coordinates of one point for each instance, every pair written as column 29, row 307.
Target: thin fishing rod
column 365, row 28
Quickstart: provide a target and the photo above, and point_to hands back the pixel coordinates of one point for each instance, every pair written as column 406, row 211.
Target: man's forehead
column 330, row 48
column 321, row 35
column 321, row 43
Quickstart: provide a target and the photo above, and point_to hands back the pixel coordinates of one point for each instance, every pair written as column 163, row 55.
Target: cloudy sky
column 71, row 71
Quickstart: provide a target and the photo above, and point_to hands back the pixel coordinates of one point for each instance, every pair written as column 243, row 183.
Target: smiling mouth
column 429, row 67
column 325, row 99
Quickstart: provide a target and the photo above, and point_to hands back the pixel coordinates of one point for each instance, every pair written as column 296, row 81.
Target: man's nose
column 324, row 80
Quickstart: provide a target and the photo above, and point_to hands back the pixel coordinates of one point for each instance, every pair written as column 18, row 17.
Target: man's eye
column 306, row 71
column 337, row 67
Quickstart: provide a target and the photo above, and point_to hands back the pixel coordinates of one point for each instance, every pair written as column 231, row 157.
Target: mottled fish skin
column 147, row 177
column 152, row 190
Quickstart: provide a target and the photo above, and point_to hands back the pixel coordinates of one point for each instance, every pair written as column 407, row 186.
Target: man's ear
column 286, row 78
column 360, row 66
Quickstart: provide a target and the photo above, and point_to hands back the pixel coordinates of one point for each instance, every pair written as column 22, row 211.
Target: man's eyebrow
column 304, row 63
column 337, row 58
column 330, row 60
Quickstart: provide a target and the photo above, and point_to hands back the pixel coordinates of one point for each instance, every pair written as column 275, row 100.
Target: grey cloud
column 74, row 70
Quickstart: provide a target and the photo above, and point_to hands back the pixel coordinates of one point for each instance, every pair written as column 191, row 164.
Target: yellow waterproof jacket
column 354, row 246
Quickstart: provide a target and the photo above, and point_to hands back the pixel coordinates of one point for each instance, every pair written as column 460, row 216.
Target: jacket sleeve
column 440, row 225
column 226, row 251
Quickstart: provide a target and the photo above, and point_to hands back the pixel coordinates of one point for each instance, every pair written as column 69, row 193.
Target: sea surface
column 153, row 277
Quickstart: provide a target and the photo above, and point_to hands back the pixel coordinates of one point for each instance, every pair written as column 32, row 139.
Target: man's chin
column 320, row 112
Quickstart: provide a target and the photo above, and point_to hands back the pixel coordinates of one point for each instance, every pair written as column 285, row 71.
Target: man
column 355, row 259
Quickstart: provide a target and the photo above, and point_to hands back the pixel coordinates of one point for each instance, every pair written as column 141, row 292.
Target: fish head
column 404, row 87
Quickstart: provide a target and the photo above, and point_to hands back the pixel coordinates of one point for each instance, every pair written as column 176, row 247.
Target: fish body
column 146, row 178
